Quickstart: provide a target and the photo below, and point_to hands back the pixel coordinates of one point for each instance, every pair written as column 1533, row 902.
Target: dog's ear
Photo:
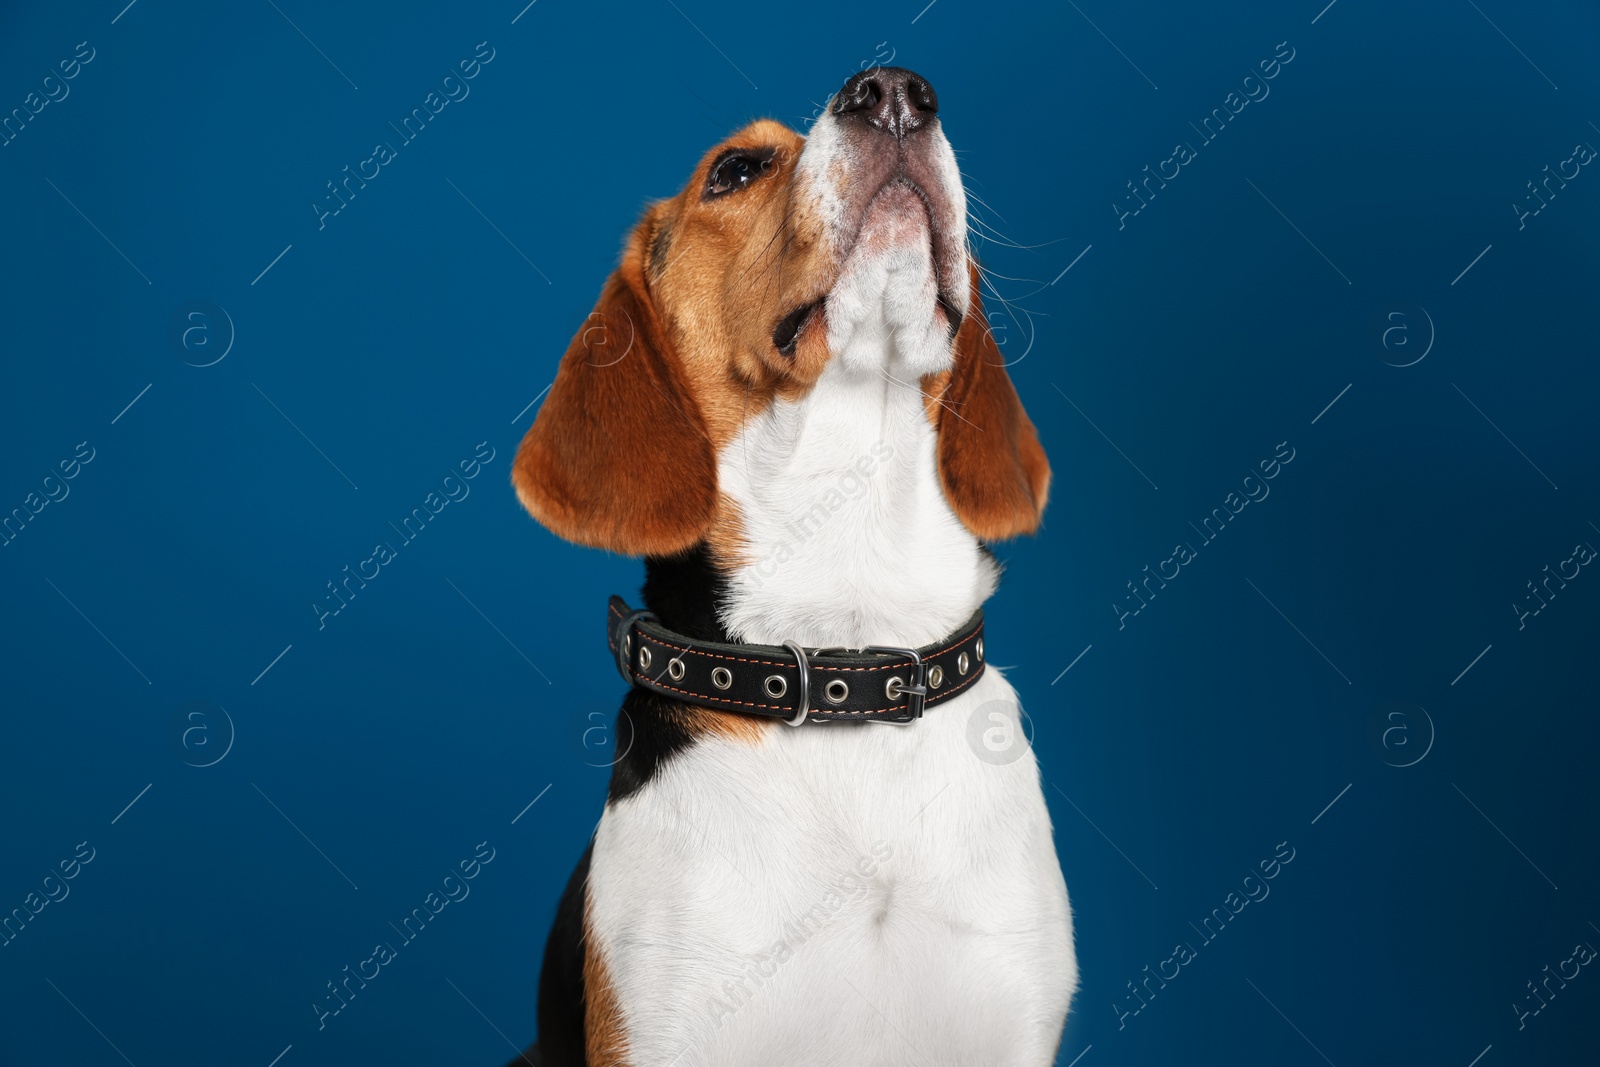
column 991, row 464
column 618, row 457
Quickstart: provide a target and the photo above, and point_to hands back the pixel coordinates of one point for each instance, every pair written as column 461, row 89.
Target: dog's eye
column 737, row 171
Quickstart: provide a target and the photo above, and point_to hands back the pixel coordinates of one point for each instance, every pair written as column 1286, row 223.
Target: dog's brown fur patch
column 991, row 464
column 604, row 1040
column 708, row 722
column 618, row 457
column 676, row 357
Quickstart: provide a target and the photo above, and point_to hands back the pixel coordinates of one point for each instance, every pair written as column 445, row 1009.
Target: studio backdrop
column 1300, row 297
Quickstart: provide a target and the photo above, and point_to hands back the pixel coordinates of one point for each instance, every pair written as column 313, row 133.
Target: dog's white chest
column 847, row 893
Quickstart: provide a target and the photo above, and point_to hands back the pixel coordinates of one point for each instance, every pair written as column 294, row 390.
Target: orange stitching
column 701, row 696
column 790, row 663
column 713, row 655
column 786, row 664
column 948, row 693
column 656, row 684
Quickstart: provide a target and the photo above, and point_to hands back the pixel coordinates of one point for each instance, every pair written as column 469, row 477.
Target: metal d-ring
column 625, row 640
column 803, row 700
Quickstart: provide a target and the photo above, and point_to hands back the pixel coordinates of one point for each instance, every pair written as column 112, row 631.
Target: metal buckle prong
column 917, row 689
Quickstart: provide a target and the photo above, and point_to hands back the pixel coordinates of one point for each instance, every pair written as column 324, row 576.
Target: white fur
column 951, row 944
column 848, row 893
column 825, row 151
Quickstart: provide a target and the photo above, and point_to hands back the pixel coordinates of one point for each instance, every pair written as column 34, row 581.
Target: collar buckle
column 915, row 690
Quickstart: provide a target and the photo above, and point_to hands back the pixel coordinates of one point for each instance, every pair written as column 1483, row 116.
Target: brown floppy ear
column 994, row 471
column 618, row 457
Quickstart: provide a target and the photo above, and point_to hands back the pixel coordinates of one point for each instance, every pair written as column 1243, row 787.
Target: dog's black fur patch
column 561, row 1000
column 647, row 738
column 684, row 592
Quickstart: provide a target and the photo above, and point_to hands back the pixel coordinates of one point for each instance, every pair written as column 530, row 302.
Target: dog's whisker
column 941, row 401
column 1004, row 277
column 1020, row 315
column 996, row 237
column 974, row 196
column 783, row 225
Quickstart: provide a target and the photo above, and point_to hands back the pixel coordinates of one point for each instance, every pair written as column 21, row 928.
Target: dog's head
column 743, row 287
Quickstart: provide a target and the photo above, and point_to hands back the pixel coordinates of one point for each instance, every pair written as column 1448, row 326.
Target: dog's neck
column 836, row 530
column 845, row 537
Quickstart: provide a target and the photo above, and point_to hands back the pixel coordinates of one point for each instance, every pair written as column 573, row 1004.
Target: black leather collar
column 789, row 682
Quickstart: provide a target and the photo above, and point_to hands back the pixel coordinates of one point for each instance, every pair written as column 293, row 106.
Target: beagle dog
column 789, row 402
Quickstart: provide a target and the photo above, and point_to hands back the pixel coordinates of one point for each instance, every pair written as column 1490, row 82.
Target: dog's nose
column 892, row 99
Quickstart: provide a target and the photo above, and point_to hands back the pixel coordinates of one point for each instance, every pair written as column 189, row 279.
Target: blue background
column 1197, row 335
